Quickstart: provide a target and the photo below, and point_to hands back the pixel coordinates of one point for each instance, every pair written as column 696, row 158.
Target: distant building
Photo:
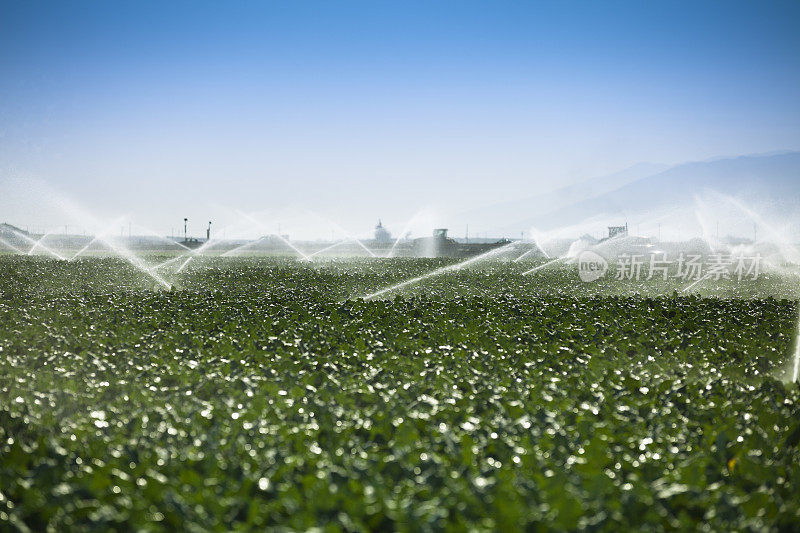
column 614, row 231
column 381, row 233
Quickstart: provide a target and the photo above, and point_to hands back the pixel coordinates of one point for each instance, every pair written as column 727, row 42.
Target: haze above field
column 357, row 111
column 649, row 196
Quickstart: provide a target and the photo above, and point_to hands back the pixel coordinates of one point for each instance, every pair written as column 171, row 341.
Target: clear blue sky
column 368, row 109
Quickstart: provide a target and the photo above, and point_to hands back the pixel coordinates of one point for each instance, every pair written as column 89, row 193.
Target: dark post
column 208, row 232
column 185, row 234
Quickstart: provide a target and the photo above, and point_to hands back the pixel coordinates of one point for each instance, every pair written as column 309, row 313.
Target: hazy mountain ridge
column 506, row 215
column 769, row 179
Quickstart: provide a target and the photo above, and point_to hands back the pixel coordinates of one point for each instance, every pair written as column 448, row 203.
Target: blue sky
column 364, row 109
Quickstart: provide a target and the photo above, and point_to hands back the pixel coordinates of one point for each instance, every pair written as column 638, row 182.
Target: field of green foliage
column 264, row 393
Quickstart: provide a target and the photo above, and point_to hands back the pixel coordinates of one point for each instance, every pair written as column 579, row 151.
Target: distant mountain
column 508, row 215
column 767, row 179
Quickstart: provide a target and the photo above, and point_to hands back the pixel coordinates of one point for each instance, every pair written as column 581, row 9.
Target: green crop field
column 265, row 393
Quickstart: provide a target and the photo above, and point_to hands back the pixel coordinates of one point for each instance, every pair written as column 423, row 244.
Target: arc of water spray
column 135, row 261
column 206, row 244
column 8, row 244
column 168, row 261
column 439, row 271
column 248, row 244
column 525, row 254
column 532, row 250
column 342, row 231
column 695, row 282
column 391, row 250
column 189, row 251
column 38, row 242
column 701, row 206
column 364, row 246
column 351, row 238
column 97, row 237
column 152, row 233
column 539, row 246
column 82, row 250
column 565, row 257
column 197, row 251
column 241, row 247
column 796, row 358
column 121, row 251
column 547, row 264
column 403, row 233
column 332, row 246
column 290, row 245
column 758, row 219
column 397, row 241
column 193, row 251
column 184, row 264
column 40, row 245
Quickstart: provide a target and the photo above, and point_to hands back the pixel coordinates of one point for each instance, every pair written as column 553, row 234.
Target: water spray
column 332, row 246
column 241, row 247
column 152, row 233
column 292, row 246
column 38, row 242
column 135, row 261
column 796, row 359
column 358, row 242
column 401, row 235
column 547, row 264
column 39, row 245
column 538, row 246
column 785, row 246
column 95, row 239
column 208, row 242
column 695, row 282
column 168, row 261
column 9, row 245
column 441, row 270
column 184, row 264
column 278, row 235
column 342, row 231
